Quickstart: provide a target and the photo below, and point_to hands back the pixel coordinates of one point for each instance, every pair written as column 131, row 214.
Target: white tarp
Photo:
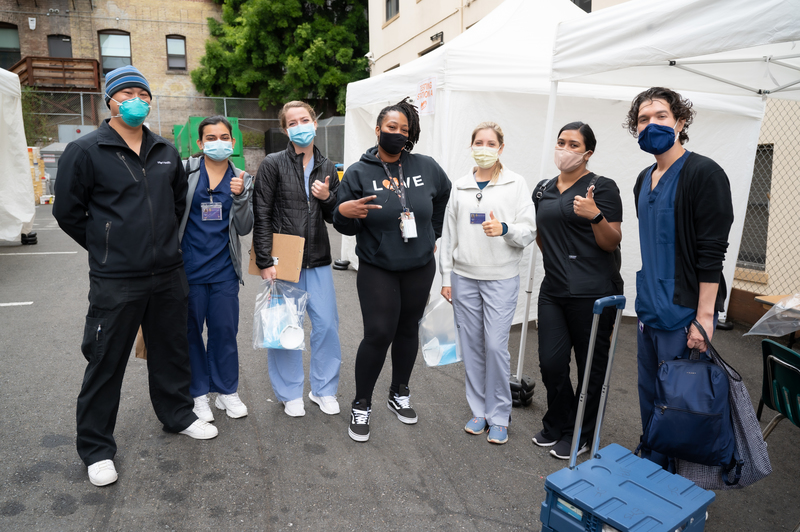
column 755, row 46
column 499, row 70
column 16, row 188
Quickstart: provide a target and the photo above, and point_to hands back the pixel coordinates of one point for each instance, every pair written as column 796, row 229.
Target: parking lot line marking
column 18, row 304
column 42, row 253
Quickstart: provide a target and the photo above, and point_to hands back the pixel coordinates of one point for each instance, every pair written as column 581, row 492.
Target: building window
column 9, row 45
column 392, row 8
column 586, row 5
column 115, row 50
column 59, row 45
column 753, row 249
column 176, row 52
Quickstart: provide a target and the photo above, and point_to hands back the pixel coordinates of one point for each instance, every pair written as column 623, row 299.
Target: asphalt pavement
column 271, row 472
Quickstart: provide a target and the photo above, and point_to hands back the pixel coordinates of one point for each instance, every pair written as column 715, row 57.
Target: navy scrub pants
column 215, row 368
column 116, row 309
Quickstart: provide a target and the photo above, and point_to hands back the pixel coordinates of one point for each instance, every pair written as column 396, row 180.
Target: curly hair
column 407, row 107
column 681, row 109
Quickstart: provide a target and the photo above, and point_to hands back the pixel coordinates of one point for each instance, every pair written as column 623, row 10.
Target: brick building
column 165, row 40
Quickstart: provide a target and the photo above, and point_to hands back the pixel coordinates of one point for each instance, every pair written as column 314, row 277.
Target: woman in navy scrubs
column 578, row 216
column 219, row 211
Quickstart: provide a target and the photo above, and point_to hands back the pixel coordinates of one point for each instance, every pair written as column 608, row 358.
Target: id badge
column 211, row 211
column 408, row 226
column 477, row 217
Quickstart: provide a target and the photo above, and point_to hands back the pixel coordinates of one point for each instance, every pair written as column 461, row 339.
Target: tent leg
column 547, row 145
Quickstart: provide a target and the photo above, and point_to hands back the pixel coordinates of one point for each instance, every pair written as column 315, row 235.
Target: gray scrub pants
column 484, row 311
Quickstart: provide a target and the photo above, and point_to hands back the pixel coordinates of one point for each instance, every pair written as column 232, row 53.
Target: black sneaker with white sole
column 359, row 421
column 400, row 404
column 543, row 441
column 562, row 449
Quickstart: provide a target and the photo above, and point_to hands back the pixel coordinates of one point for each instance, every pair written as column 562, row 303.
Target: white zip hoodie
column 466, row 250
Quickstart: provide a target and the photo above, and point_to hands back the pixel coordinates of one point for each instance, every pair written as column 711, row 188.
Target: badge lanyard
column 408, row 226
column 477, row 217
column 211, row 210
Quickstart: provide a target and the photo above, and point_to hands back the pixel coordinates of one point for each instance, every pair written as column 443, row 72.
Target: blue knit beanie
column 123, row 78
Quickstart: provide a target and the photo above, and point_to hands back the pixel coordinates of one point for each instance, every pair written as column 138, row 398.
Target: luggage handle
column 599, row 305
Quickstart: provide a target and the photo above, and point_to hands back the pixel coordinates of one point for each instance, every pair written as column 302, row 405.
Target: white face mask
column 484, row 156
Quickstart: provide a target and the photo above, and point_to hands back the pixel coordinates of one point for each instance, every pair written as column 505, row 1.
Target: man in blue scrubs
column 685, row 212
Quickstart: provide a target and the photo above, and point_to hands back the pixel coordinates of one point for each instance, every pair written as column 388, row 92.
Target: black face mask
column 392, row 143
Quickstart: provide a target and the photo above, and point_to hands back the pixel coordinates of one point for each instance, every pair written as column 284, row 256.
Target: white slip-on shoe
column 102, row 473
column 294, row 408
column 202, row 410
column 231, row 404
column 327, row 403
column 201, row 430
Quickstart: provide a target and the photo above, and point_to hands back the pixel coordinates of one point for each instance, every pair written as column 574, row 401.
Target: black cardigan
column 703, row 218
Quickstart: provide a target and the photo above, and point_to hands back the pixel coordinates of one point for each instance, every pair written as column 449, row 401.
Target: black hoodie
column 379, row 241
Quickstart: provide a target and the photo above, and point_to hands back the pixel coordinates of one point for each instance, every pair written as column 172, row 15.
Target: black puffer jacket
column 280, row 205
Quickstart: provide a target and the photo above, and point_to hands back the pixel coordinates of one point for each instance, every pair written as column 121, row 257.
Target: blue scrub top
column 206, row 255
column 655, row 282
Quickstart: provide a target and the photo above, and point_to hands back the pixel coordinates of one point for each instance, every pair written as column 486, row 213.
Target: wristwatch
column 597, row 218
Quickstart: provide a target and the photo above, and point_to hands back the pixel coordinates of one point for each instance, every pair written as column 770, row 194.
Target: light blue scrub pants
column 286, row 366
column 484, row 311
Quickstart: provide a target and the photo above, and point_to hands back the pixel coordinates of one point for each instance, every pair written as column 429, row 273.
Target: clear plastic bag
column 783, row 318
column 278, row 318
column 437, row 334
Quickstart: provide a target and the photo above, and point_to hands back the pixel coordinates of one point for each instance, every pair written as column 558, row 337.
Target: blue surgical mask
column 303, row 134
column 657, row 139
column 133, row 111
column 218, row 150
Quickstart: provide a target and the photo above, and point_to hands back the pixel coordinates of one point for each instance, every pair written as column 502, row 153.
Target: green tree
column 280, row 50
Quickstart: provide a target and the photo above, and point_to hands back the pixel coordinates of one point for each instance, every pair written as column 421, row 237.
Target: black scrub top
column 574, row 265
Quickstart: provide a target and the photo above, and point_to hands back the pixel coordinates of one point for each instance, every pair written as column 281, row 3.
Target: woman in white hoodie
column 489, row 221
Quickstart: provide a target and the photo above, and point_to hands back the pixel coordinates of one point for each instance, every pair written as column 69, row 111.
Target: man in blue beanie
column 121, row 191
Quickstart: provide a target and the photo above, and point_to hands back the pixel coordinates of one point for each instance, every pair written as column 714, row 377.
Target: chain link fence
column 45, row 111
column 768, row 257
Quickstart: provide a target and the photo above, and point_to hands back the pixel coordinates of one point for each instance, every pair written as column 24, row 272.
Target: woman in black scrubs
column 578, row 216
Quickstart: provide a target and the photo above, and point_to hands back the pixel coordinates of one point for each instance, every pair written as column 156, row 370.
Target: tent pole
column 546, row 145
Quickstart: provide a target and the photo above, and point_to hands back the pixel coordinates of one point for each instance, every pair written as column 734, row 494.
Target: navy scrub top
column 205, row 245
column 655, row 282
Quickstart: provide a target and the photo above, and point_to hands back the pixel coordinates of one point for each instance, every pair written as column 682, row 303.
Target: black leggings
column 392, row 304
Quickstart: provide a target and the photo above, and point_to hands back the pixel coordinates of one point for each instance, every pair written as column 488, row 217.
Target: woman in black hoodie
column 393, row 201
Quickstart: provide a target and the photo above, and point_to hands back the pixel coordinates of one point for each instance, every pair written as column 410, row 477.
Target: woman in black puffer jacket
column 295, row 194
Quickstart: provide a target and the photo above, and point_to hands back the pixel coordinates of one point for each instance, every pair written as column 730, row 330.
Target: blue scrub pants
column 653, row 346
column 214, row 368
column 286, row 366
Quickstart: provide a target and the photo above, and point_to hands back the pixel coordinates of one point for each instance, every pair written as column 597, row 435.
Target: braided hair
column 407, row 107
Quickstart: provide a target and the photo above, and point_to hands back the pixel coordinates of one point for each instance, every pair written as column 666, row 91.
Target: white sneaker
column 102, row 473
column 294, row 408
column 327, row 403
column 201, row 430
column 202, row 410
column 231, row 404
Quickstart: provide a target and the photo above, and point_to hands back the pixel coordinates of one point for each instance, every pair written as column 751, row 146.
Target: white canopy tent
column 500, row 70
column 736, row 49
column 16, row 188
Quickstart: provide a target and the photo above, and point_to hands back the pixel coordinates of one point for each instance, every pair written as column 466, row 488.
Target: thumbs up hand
column 237, row 184
column 321, row 190
column 586, row 207
column 492, row 227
